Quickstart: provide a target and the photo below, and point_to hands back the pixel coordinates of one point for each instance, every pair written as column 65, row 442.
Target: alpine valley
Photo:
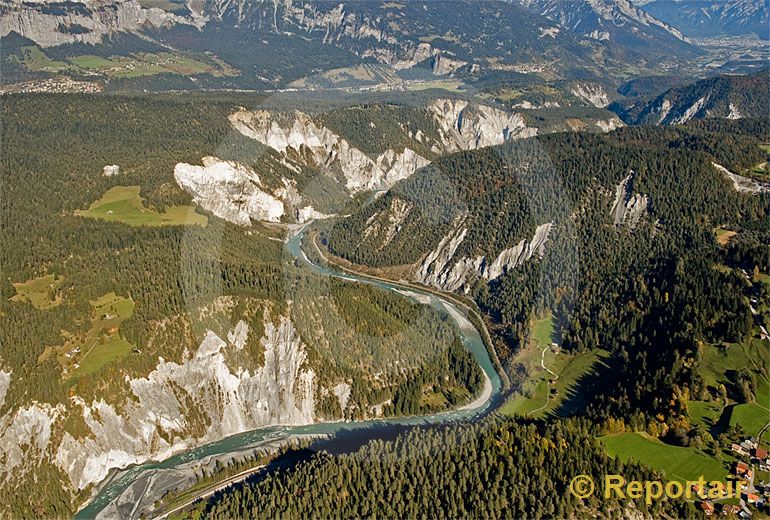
column 399, row 259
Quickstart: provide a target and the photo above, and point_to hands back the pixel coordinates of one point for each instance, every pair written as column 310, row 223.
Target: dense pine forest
column 651, row 294
column 498, row 468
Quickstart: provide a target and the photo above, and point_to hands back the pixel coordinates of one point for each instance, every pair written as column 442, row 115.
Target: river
column 471, row 339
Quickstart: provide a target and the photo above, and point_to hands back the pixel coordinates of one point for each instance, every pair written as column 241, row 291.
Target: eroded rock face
column 182, row 405
column 385, row 225
column 628, row 207
column 111, row 170
column 466, row 127
column 741, row 183
column 5, row 382
column 442, row 269
column 93, row 20
column 306, row 143
column 25, row 435
column 592, row 93
column 229, row 190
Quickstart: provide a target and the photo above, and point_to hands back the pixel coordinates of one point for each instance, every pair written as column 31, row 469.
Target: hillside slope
column 732, row 97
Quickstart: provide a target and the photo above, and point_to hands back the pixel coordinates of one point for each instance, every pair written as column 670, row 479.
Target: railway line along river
column 135, row 479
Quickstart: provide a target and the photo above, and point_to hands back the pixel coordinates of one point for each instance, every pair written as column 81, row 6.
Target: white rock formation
column 302, row 141
column 741, row 183
column 609, row 125
column 342, row 392
column 734, row 112
column 383, row 226
column 229, row 190
column 437, row 268
column 400, row 165
column 25, row 435
column 466, row 127
column 111, row 170
column 32, row 20
column 691, row 112
column 181, row 405
column 309, row 213
column 5, row 382
column 628, row 207
column 592, row 93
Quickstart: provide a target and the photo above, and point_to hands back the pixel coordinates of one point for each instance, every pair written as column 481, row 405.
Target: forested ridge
column 651, row 294
column 497, row 468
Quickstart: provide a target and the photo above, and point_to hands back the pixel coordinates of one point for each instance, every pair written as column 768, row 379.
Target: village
column 754, row 496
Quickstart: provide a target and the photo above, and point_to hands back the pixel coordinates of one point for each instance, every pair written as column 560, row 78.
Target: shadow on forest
column 583, row 390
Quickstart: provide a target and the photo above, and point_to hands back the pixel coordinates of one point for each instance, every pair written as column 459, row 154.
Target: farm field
column 86, row 352
column 677, row 463
column 539, row 397
column 40, row 292
column 135, row 65
column 124, row 204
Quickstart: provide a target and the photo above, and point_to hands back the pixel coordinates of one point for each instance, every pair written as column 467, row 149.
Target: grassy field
column 35, row 59
column 123, row 204
column 40, row 292
column 675, row 462
column 704, row 412
column 136, row 65
column 541, row 395
column 87, row 352
column 166, row 5
column 448, row 85
column 715, row 367
column 752, row 417
column 724, row 236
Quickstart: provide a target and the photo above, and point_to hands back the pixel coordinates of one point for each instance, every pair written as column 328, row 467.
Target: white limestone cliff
column 628, row 207
column 25, row 435
column 439, row 269
column 592, row 93
column 33, row 20
column 202, row 399
column 111, row 170
column 741, row 183
column 229, row 190
column 466, row 127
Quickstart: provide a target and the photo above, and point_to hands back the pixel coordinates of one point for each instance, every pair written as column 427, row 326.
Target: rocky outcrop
column 608, row 125
column 5, row 382
column 86, row 21
column 439, row 269
column 199, row 400
column 741, row 183
column 400, row 165
column 383, row 226
column 229, row 190
column 730, row 96
column 304, row 142
column 463, row 126
column 628, row 207
column 111, row 170
column 592, row 93
column 25, row 436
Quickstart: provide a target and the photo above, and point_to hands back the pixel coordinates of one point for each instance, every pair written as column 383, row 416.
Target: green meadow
column 40, row 292
column 124, row 204
column 675, row 462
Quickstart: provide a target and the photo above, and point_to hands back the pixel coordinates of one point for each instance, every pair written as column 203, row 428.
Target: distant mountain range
column 243, row 44
column 618, row 22
column 733, row 97
column 712, row 18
